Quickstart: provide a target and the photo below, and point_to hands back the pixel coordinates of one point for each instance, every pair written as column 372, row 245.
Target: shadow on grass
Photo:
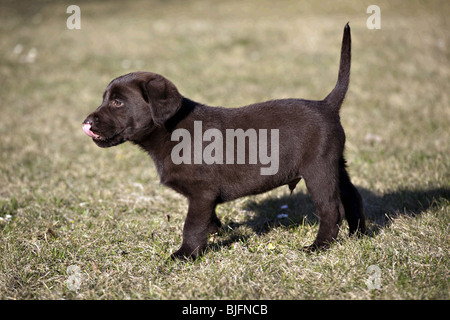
column 379, row 211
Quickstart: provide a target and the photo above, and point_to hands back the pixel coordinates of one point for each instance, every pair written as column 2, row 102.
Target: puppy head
column 133, row 106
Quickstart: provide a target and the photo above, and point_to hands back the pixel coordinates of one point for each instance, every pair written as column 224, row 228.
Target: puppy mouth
column 88, row 131
column 101, row 140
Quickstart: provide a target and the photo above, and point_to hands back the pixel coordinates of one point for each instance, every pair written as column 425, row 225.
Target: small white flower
column 32, row 54
column 6, row 218
column 73, row 282
column 18, row 49
column 30, row 57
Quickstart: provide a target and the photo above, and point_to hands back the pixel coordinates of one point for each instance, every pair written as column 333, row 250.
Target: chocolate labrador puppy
column 202, row 152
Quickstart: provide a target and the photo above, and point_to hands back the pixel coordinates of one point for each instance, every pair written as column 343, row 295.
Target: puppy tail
column 336, row 97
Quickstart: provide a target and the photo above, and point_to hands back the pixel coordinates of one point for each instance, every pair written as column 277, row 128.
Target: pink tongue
column 87, row 130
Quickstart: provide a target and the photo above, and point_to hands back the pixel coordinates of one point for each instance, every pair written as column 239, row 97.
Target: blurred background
column 221, row 53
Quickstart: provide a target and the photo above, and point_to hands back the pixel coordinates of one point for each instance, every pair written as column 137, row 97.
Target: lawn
column 81, row 222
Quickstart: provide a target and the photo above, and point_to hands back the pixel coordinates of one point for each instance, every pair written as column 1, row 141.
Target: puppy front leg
column 201, row 220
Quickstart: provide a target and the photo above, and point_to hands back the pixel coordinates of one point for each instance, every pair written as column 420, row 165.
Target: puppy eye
column 116, row 103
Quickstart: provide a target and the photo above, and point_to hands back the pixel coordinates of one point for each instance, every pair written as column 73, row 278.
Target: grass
column 64, row 202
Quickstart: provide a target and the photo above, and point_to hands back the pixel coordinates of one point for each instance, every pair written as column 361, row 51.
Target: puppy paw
column 309, row 249
column 316, row 247
column 185, row 254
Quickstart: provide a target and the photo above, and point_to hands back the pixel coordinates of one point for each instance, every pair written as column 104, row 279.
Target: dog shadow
column 291, row 211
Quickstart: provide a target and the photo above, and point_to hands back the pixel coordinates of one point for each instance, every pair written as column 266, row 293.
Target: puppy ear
column 164, row 99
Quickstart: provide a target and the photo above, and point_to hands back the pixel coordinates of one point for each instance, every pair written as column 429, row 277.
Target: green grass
column 64, row 201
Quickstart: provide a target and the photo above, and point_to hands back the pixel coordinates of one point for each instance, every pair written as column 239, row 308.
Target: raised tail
column 336, row 97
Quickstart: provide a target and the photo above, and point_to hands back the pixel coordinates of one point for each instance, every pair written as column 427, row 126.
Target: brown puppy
column 201, row 152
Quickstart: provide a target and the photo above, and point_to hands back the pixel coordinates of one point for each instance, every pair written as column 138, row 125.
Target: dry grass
column 66, row 202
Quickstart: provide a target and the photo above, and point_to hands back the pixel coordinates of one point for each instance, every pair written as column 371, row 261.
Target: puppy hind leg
column 324, row 190
column 352, row 201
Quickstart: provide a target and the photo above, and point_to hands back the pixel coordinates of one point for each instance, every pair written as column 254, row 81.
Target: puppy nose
column 91, row 119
